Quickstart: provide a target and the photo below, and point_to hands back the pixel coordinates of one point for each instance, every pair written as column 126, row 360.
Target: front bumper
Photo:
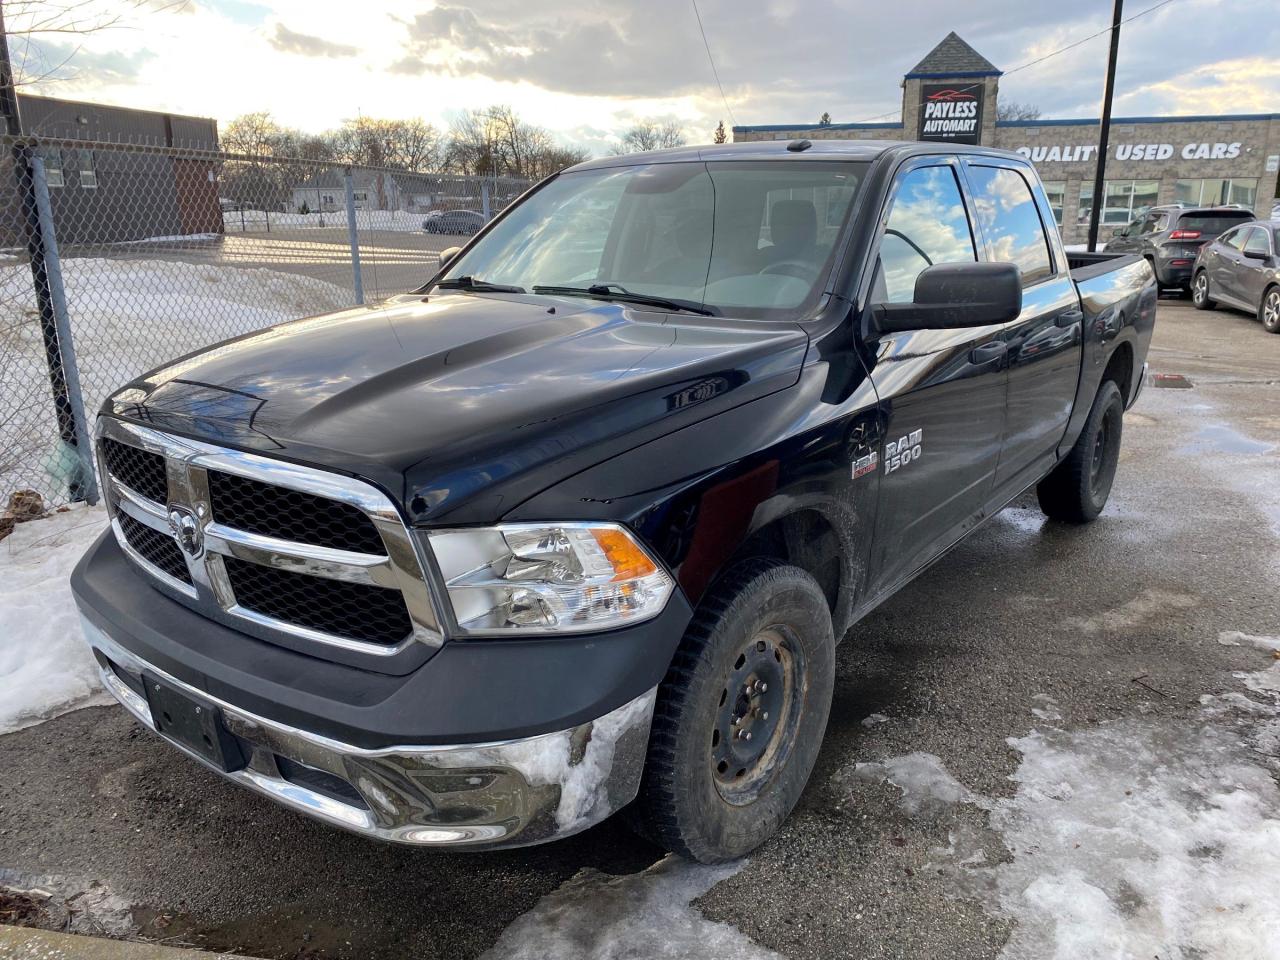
column 501, row 794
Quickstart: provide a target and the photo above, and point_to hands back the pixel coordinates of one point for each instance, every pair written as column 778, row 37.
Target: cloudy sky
column 586, row 68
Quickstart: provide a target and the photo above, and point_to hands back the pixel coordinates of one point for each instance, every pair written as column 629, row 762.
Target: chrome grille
column 290, row 514
column 158, row 549
column 280, row 551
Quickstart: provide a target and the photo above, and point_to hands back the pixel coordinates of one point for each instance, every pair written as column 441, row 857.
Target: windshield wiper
column 615, row 291
column 471, row 283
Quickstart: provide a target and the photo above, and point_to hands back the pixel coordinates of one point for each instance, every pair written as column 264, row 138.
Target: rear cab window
column 1006, row 211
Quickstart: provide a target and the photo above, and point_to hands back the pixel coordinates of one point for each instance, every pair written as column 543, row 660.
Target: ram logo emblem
column 898, row 453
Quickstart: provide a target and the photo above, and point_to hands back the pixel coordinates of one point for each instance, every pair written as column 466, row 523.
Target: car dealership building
column 952, row 96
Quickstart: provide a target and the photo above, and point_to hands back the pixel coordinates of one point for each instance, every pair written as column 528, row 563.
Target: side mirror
column 447, row 255
column 953, row 295
column 1257, row 254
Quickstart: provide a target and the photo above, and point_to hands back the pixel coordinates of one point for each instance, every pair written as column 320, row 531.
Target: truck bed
column 1086, row 266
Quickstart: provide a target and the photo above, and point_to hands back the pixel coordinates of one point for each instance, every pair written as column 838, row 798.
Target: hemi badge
column 864, row 465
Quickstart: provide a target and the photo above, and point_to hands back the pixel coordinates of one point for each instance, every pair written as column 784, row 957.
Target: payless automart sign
column 951, row 113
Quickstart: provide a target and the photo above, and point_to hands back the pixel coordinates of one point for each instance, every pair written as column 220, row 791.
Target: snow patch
column 45, row 667
column 594, row 916
column 926, row 785
column 1235, row 638
column 1131, row 839
column 874, row 719
column 1146, row 606
column 1047, row 709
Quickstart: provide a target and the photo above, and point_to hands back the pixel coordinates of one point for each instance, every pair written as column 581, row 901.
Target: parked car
column 457, row 223
column 1170, row 237
column 483, row 565
column 1241, row 269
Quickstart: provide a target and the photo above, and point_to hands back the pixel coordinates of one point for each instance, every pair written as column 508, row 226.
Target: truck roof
column 778, row 150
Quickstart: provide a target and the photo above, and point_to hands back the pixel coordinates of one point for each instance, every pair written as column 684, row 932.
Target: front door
column 1045, row 342
column 942, row 392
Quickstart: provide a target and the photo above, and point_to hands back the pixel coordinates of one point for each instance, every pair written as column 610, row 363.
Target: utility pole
column 1104, row 133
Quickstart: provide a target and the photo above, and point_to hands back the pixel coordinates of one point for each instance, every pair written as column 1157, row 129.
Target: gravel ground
column 1114, row 622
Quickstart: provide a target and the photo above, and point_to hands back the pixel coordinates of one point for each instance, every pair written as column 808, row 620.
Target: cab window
column 927, row 225
column 1006, row 209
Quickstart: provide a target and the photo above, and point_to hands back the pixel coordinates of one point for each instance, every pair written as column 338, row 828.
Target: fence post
column 352, row 236
column 64, row 374
column 484, row 199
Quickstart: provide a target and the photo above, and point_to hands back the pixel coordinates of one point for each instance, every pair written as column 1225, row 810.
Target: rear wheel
column 1077, row 489
column 1270, row 312
column 740, row 716
column 1200, row 298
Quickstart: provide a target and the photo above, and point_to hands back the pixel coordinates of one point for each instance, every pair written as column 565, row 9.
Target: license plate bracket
column 192, row 722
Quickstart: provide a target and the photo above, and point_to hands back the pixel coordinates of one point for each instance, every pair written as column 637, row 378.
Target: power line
column 1060, row 50
column 712, row 60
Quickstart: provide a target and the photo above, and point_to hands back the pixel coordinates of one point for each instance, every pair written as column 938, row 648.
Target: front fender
column 700, row 495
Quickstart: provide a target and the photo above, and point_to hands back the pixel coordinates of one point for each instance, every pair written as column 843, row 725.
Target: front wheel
column 1200, row 298
column 1270, row 312
column 740, row 715
column 1077, row 489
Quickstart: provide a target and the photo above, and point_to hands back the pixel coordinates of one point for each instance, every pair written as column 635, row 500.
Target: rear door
column 1255, row 266
column 1045, row 341
column 942, row 392
column 1227, row 254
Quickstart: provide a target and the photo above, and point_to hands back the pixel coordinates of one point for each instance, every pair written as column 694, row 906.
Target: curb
column 30, row 943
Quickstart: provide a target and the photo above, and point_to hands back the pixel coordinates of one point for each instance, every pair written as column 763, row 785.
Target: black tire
column 763, row 619
column 1200, row 298
column 1269, row 310
column 1077, row 489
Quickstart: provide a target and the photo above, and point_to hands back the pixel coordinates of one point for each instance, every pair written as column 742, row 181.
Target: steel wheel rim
column 1099, row 458
column 756, row 718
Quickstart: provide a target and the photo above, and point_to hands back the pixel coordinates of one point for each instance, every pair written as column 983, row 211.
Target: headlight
column 548, row 578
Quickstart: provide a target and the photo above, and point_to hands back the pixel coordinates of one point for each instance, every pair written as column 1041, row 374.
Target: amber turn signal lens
column 628, row 561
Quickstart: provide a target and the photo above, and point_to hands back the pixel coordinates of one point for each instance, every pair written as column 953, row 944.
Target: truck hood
column 465, row 405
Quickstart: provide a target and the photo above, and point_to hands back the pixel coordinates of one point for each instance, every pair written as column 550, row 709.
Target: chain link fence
column 115, row 259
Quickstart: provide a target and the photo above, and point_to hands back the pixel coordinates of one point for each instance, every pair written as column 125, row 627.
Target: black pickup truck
column 576, row 526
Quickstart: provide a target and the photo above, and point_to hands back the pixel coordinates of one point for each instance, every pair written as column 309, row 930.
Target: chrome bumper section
column 503, row 794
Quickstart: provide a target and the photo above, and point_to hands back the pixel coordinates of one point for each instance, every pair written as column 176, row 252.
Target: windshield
column 746, row 239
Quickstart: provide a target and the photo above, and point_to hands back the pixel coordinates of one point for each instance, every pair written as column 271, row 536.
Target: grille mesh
column 156, row 548
column 354, row 610
column 290, row 515
column 140, row 470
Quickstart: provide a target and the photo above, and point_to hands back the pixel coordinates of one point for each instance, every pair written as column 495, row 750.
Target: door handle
column 1069, row 318
column 988, row 352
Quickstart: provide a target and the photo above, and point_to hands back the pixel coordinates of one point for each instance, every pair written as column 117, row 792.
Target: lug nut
column 765, row 715
column 744, row 734
column 762, row 686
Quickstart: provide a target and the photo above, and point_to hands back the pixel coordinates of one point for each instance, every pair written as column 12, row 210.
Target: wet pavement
column 1026, row 626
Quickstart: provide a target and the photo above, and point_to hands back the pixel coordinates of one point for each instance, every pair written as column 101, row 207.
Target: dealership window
column 1122, row 200
column 1056, row 191
column 88, row 173
column 926, row 226
column 52, row 166
column 1007, row 211
column 1216, row 192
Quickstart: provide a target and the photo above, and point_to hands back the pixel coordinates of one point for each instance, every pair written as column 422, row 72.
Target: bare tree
column 1013, row 110
column 650, row 135
column 825, row 119
column 496, row 142
column 411, row 145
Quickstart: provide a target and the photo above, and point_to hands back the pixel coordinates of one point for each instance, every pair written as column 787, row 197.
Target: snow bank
column 400, row 221
column 45, row 667
column 594, row 916
column 1131, row 839
column 128, row 316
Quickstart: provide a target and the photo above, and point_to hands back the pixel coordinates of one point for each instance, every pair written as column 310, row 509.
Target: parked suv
column 1169, row 237
column 578, row 524
column 1241, row 269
